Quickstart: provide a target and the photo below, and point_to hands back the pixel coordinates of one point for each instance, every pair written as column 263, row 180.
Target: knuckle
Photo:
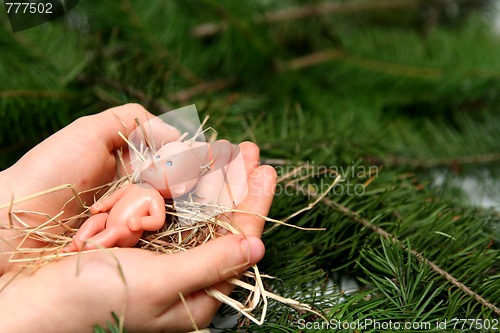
column 250, row 147
column 228, row 260
column 135, row 106
column 214, row 270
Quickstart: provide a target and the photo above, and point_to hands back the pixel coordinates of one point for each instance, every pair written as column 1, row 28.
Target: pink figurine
column 120, row 219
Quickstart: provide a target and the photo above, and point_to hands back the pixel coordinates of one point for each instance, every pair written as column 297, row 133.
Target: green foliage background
column 411, row 87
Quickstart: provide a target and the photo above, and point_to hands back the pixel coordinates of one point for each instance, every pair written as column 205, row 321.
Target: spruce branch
column 35, row 94
column 142, row 96
column 204, row 87
column 294, row 13
column 327, row 8
column 386, row 235
column 312, row 59
column 324, row 56
column 159, row 48
column 398, row 161
column 182, row 96
column 329, row 55
column 450, row 162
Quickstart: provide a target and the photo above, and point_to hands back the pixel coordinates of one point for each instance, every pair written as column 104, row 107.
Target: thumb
column 213, row 262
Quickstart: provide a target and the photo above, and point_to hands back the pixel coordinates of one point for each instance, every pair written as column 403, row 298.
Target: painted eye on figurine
column 157, row 157
column 168, row 163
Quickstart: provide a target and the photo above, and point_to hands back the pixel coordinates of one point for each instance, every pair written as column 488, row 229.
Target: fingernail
column 253, row 248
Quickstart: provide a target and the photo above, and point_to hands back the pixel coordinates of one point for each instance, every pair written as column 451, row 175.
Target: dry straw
column 173, row 237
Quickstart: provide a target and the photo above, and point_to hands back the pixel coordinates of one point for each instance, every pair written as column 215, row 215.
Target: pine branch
column 205, row 87
column 321, row 57
column 142, row 96
column 386, row 235
column 159, row 48
column 448, row 162
column 324, row 56
column 322, row 9
column 398, row 161
column 312, row 59
column 182, row 96
column 35, row 94
column 212, row 28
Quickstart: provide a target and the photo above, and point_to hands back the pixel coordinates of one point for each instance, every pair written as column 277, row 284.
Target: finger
column 154, row 133
column 107, row 124
column 210, row 184
column 235, row 187
column 198, row 306
column 261, row 187
column 251, row 154
column 241, row 167
column 219, row 260
column 208, row 264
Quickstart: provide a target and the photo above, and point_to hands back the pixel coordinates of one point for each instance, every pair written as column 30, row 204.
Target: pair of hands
column 57, row 299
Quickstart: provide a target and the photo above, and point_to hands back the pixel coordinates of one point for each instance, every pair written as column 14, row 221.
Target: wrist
column 18, row 306
column 32, row 303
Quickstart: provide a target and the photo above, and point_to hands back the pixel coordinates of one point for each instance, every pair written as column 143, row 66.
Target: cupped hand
column 74, row 293
column 83, row 154
column 57, row 299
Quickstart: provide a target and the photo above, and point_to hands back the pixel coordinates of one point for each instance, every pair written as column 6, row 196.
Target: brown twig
column 295, row 13
column 161, row 106
column 324, row 56
column 312, row 59
column 186, row 94
column 432, row 163
column 181, row 96
column 322, row 9
column 395, row 161
column 35, row 93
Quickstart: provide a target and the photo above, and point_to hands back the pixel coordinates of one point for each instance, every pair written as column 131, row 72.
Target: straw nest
column 174, row 237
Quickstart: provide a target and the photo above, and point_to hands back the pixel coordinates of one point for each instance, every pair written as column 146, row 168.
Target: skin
column 132, row 209
column 173, row 170
column 56, row 299
column 121, row 218
column 210, row 188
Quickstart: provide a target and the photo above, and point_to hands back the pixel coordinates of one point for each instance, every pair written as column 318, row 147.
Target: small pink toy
column 188, row 171
column 120, row 219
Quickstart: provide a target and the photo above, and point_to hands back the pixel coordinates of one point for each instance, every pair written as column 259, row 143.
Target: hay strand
column 208, row 222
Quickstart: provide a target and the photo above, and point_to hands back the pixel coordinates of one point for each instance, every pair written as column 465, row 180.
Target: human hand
column 44, row 167
column 57, row 299
column 81, row 154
